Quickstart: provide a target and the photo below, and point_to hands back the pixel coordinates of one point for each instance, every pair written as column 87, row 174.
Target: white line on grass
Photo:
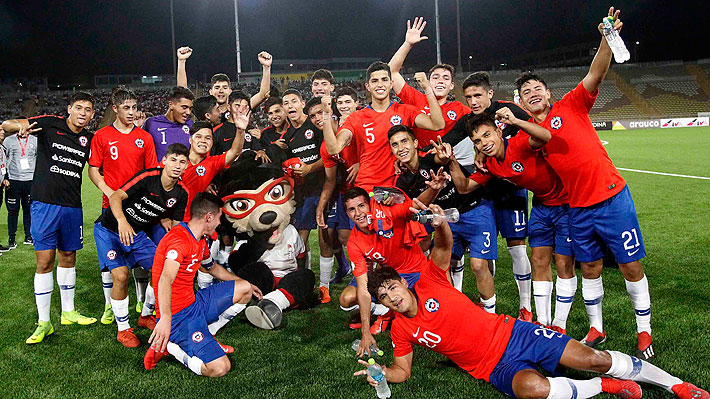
column 665, row 174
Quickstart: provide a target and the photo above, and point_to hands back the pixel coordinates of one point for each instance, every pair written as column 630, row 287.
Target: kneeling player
column 497, row 348
column 184, row 328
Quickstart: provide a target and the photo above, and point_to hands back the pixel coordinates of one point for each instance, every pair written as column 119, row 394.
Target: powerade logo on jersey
column 197, row 337
column 200, row 170
column 451, row 114
column 83, row 141
column 247, row 137
column 431, row 305
column 170, row 202
column 517, row 167
column 111, row 255
column 139, row 143
column 186, row 129
column 424, row 174
column 556, row 122
column 396, row 120
column 308, row 134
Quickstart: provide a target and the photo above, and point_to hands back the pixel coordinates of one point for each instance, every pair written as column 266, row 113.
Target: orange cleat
column 324, row 294
column 558, row 329
column 225, row 348
column 644, row 350
column 622, row 388
column 525, row 315
column 381, row 323
column 594, row 338
column 687, row 390
column 148, row 322
column 128, row 339
column 152, row 357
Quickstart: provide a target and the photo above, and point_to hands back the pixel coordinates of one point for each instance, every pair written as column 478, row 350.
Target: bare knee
column 242, row 291
column 66, row 258
column 217, row 368
column 479, row 265
column 529, row 384
column 632, row 271
column 120, row 276
column 564, row 266
column 348, row 297
column 599, row 361
column 592, row 270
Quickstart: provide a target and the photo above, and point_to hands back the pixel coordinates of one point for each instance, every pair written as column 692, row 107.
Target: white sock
column 354, row 307
column 542, row 290
column 120, row 310
column 523, row 273
column 566, row 289
column 326, row 268
column 489, row 305
column 204, row 280
column 627, row 367
column 308, row 260
column 149, row 304
column 226, row 316
column 192, row 362
column 593, row 294
column 378, row 309
column 641, row 299
column 457, row 275
column 565, row 388
column 141, row 277
column 107, row 283
column 66, row 279
column 43, row 285
column 278, row 297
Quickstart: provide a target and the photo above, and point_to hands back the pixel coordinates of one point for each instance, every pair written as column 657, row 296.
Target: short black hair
column 294, row 92
column 238, row 95
column 177, row 149
column 378, row 66
column 178, row 92
column 203, row 204
column 219, row 77
column 378, row 277
column 345, row 91
column 203, row 105
column 82, row 96
column 271, row 101
column 354, row 193
column 398, row 129
column 311, row 103
column 477, row 79
column 448, row 67
column 476, row 121
column 526, row 76
column 323, row 74
column 119, row 94
column 199, row 125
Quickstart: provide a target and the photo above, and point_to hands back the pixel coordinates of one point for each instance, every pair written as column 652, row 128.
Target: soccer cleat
column 644, row 350
column 355, row 323
column 687, row 390
column 341, row 273
column 525, row 315
column 152, row 357
column 148, row 322
column 265, row 314
column 44, row 328
column 594, row 338
column 107, row 317
column 128, row 339
column 28, row 241
column 381, row 323
column 74, row 317
column 11, row 244
column 225, row 348
column 139, row 307
column 324, row 294
column 4, row 248
column 558, row 329
column 622, row 388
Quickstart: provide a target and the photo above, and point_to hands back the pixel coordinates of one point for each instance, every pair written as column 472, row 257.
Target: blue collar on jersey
column 388, row 107
column 183, row 224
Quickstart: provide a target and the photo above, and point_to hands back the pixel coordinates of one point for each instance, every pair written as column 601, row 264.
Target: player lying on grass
column 498, row 348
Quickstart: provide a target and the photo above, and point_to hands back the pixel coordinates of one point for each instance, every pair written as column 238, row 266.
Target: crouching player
column 184, row 328
column 498, row 348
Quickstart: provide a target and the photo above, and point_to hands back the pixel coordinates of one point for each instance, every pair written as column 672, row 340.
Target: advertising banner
column 684, row 122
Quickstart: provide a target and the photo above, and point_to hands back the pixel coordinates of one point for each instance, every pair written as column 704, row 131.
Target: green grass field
column 311, row 356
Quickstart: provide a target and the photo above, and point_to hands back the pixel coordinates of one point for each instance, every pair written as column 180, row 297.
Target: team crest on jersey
column 396, row 120
column 172, row 254
column 517, row 167
column 431, row 305
column 186, row 129
column 501, row 125
column 170, row 202
column 139, row 143
column 451, row 114
column 197, row 337
column 247, row 137
column 83, row 141
column 556, row 122
column 424, row 174
column 200, row 170
column 309, row 134
column 111, row 255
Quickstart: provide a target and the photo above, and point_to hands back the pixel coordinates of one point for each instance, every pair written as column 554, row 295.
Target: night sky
column 79, row 38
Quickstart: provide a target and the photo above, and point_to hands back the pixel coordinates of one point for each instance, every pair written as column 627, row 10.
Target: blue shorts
column 549, row 227
column 56, row 227
column 613, row 222
column 530, row 347
column 112, row 253
column 511, row 219
column 158, row 233
column 189, row 327
column 477, row 229
column 410, row 278
column 337, row 217
column 305, row 216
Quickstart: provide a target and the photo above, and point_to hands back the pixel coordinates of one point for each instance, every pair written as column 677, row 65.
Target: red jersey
column 576, row 153
column 526, row 168
column 181, row 246
column 121, row 155
column 369, row 129
column 447, row 322
column 452, row 111
column 365, row 249
column 197, row 178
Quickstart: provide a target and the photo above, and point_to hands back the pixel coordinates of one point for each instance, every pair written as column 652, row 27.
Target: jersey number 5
column 370, row 135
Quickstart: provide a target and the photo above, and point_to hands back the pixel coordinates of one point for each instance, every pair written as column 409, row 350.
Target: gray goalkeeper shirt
column 21, row 167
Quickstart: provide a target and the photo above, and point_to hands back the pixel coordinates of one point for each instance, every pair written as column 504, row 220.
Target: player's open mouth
column 440, row 87
column 488, row 148
column 535, row 100
column 402, row 154
column 380, row 91
column 292, row 113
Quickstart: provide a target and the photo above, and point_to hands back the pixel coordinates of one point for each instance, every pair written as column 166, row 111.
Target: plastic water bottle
column 426, row 216
column 621, row 53
column 374, row 351
column 374, row 370
column 381, row 194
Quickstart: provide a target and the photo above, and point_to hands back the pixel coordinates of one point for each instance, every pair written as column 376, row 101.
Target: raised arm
column 241, row 122
column 463, row 184
column 412, row 37
column 435, row 119
column 539, row 136
column 183, row 53
column 333, row 144
column 265, row 59
column 443, row 239
column 15, row 125
column 601, row 61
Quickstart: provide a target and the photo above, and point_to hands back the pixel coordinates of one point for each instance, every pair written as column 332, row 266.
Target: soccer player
column 322, row 83
column 272, row 137
column 21, row 158
column 57, row 229
column 142, row 202
column 601, row 207
column 205, row 108
column 517, row 160
column 119, row 151
column 225, row 132
column 497, row 348
column 187, row 318
column 368, row 127
column 174, row 126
